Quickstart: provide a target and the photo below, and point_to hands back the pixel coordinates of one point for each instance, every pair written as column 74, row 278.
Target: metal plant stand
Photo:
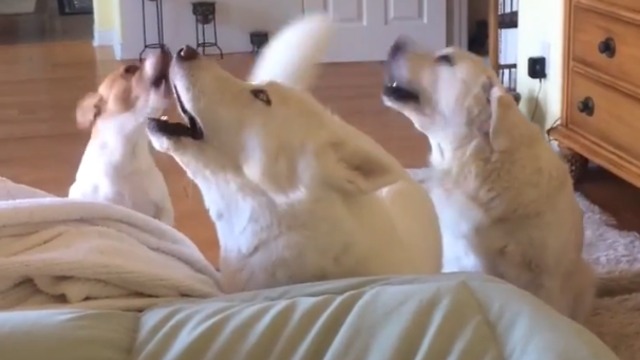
column 159, row 25
column 258, row 40
column 205, row 14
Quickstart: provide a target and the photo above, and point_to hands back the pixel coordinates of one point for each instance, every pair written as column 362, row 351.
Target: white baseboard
column 117, row 51
column 103, row 37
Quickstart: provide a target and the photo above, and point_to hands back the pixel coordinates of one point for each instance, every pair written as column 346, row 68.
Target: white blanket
column 57, row 252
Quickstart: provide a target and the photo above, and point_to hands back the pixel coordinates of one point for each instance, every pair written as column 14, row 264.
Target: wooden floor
column 40, row 146
column 45, row 24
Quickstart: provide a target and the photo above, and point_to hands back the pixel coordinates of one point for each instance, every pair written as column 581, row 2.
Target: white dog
column 297, row 194
column 505, row 199
column 117, row 165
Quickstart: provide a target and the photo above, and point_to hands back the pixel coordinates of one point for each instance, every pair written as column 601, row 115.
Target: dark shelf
column 507, row 66
column 508, row 20
column 75, row 7
column 507, row 75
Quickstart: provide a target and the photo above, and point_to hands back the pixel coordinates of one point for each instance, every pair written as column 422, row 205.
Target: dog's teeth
column 164, row 118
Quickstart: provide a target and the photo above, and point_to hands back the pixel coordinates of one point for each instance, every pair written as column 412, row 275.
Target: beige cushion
column 444, row 317
column 67, row 335
column 464, row 317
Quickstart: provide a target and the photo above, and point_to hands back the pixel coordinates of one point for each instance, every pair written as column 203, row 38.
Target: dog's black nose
column 187, row 53
column 400, row 46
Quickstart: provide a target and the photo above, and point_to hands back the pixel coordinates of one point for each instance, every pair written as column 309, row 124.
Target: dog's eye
column 445, row 59
column 261, row 95
column 130, row 69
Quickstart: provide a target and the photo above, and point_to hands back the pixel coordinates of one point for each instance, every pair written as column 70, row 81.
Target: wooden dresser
column 601, row 98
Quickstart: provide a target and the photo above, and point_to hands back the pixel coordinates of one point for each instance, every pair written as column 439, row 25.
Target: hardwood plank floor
column 40, row 146
column 45, row 24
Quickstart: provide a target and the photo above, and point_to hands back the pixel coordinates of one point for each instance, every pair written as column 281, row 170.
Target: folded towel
column 58, row 252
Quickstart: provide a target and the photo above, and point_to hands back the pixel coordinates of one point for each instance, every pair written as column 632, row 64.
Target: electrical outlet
column 537, row 67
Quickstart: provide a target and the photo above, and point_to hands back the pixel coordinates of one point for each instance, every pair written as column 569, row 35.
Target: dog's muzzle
column 192, row 130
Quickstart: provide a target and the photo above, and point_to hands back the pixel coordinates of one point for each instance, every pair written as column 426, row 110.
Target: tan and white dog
column 297, row 194
column 117, row 165
column 505, row 199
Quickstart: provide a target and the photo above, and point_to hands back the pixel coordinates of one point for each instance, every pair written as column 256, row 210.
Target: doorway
column 367, row 28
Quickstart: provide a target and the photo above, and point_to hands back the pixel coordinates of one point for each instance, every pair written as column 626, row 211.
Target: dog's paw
column 497, row 91
column 501, row 96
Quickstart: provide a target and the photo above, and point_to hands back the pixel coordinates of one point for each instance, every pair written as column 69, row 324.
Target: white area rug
column 15, row 7
column 615, row 256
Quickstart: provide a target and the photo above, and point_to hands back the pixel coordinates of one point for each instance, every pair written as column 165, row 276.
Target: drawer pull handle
column 607, row 47
column 587, row 106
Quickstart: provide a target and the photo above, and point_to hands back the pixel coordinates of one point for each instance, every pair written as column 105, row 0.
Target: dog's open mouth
column 400, row 93
column 191, row 130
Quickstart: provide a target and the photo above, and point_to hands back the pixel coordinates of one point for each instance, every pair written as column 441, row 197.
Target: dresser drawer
column 606, row 44
column 633, row 5
column 610, row 116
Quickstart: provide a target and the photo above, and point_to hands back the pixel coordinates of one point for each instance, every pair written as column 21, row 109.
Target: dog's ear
column 358, row 170
column 504, row 111
column 88, row 109
column 483, row 115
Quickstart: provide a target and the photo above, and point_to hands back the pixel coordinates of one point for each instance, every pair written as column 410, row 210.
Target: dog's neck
column 248, row 217
column 237, row 206
column 120, row 142
column 450, row 146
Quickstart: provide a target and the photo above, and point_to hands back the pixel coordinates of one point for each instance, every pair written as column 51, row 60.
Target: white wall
column 540, row 30
column 236, row 18
column 104, row 26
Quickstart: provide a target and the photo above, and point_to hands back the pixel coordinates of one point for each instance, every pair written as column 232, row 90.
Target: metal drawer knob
column 607, row 47
column 587, row 106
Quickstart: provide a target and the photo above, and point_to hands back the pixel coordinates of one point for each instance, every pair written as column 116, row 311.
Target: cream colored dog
column 297, row 195
column 505, row 200
column 117, row 165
